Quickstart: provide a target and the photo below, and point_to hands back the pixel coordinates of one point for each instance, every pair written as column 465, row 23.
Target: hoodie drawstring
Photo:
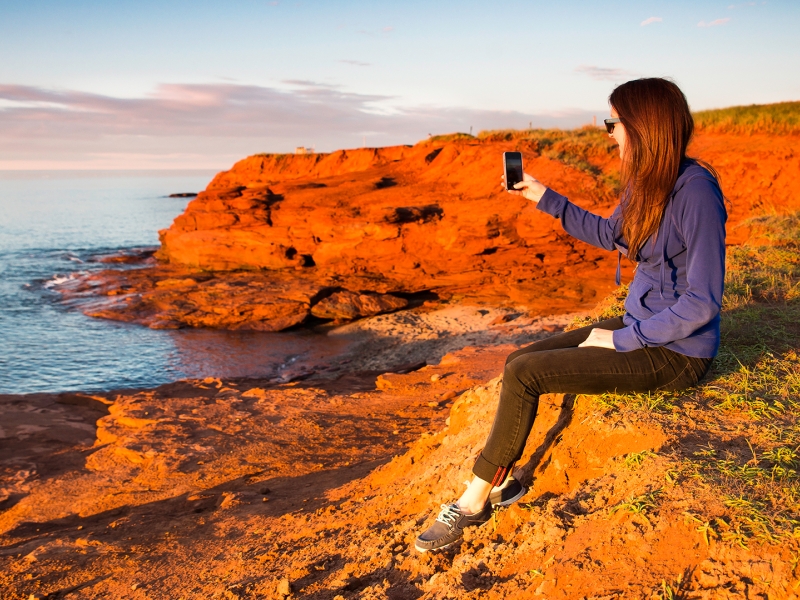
column 663, row 271
column 664, row 241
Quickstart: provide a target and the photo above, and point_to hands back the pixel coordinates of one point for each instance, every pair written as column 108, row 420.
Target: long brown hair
column 658, row 127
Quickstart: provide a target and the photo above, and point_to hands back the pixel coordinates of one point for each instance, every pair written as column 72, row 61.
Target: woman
column 671, row 222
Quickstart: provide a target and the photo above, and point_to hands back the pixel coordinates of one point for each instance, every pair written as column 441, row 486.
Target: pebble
column 436, row 377
column 284, row 587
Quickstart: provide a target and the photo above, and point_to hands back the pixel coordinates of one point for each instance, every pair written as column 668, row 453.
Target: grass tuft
column 634, row 460
column 639, row 505
column 658, row 402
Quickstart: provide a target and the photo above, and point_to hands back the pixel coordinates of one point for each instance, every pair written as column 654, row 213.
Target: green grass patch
column 763, row 390
column 780, row 118
column 761, row 495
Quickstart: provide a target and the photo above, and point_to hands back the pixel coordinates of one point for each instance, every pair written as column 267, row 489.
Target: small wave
column 58, row 280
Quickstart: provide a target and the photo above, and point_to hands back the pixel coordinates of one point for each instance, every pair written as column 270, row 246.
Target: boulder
column 347, row 305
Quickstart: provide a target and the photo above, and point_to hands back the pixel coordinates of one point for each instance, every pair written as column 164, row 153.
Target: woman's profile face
column 619, row 134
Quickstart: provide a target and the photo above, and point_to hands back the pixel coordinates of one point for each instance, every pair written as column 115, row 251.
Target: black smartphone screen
column 513, row 166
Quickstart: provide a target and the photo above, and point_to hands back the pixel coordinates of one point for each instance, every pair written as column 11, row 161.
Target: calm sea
column 52, row 224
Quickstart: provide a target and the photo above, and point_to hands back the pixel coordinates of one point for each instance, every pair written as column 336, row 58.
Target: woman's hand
column 529, row 188
column 599, row 338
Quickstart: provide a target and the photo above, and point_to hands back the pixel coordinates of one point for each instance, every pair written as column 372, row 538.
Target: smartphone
column 512, row 164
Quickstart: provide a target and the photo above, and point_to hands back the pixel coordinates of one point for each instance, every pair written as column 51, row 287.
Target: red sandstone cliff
column 280, row 237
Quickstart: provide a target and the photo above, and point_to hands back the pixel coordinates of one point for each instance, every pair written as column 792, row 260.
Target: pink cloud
column 651, row 20
column 714, row 23
column 202, row 125
column 605, row 73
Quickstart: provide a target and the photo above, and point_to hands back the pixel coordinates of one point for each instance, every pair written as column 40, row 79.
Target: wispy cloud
column 604, row 73
column 212, row 125
column 651, row 20
column 714, row 23
column 356, row 63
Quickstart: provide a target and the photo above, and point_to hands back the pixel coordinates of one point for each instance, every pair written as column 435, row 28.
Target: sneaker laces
column 449, row 514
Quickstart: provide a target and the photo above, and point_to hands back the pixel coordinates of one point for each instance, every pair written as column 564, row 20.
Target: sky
column 124, row 84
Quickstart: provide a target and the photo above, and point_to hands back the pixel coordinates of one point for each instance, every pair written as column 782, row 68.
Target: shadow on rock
column 526, row 471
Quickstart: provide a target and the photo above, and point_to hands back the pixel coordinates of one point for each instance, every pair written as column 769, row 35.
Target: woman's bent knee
column 519, row 375
column 511, row 372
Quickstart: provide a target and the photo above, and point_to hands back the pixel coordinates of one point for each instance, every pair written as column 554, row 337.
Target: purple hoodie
column 675, row 297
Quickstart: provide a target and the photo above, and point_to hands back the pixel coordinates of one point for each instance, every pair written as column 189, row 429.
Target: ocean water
column 52, row 224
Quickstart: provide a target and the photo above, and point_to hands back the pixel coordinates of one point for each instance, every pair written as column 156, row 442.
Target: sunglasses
column 610, row 124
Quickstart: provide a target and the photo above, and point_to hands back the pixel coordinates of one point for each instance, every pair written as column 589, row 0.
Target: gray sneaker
column 505, row 495
column 449, row 526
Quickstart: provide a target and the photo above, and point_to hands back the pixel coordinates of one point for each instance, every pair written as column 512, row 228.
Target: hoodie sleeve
column 702, row 223
column 581, row 224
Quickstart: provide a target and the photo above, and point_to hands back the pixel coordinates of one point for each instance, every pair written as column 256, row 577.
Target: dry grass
column 446, row 138
column 781, row 118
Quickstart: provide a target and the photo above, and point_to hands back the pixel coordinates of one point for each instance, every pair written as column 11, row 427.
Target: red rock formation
column 277, row 234
column 420, row 217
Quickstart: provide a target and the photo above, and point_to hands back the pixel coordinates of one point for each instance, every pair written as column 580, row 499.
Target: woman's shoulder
column 696, row 180
column 692, row 170
column 698, row 196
